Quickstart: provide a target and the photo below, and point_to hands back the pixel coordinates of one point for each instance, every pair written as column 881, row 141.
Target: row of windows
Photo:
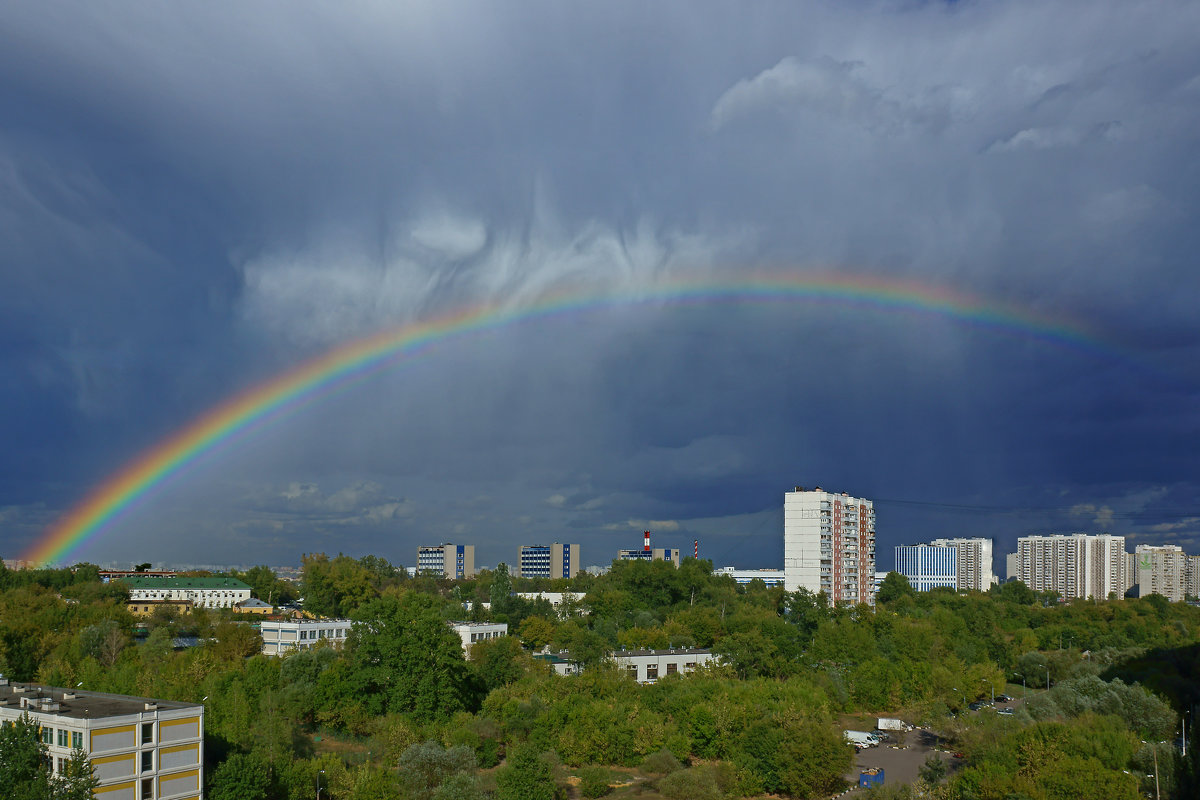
column 479, row 637
column 66, row 738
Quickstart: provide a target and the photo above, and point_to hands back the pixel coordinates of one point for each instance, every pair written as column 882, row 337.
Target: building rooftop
column 76, row 704
column 184, row 583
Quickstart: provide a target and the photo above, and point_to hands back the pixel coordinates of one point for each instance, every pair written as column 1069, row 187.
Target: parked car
column 1005, row 712
column 1003, row 698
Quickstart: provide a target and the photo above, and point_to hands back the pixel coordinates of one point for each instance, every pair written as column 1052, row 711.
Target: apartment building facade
column 139, row 748
column 1074, row 565
column 449, row 560
column 974, row 562
column 829, row 545
column 1161, row 570
column 648, row 666
column 928, row 566
column 548, row 560
column 472, row 632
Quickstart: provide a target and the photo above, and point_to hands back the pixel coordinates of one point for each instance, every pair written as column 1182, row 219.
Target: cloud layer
column 194, row 197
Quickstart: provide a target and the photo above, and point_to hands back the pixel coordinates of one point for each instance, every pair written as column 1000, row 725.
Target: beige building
column 449, row 560
column 548, row 560
column 974, row 562
column 648, row 666
column 146, row 608
column 1161, row 570
column 140, row 749
column 1193, row 576
column 1074, row 565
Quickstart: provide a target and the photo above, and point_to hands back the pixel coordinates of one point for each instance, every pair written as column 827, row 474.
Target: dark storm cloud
column 194, row 196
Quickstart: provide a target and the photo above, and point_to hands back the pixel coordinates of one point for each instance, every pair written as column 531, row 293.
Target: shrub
column 594, row 781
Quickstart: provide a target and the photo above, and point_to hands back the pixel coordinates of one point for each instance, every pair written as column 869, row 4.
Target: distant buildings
column 648, row 553
column 138, row 747
column 202, row 592
column 928, row 566
column 1073, row 565
column 974, row 562
column 548, row 560
column 1161, row 570
column 771, row 577
column 829, row 545
column 449, row 560
column 1193, row 576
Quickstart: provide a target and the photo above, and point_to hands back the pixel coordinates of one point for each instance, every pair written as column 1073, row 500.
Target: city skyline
column 500, row 277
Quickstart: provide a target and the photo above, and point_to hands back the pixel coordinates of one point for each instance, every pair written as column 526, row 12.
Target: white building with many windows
column 829, row 545
column 140, row 749
column 287, row 636
column 448, row 560
column 1074, row 565
column 548, row 560
column 202, row 592
column 974, row 562
column 771, row 577
column 928, row 566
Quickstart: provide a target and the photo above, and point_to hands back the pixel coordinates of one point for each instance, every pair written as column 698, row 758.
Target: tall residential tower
column 829, row 545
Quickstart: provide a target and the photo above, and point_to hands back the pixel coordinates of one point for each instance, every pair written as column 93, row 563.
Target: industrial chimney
column 646, row 541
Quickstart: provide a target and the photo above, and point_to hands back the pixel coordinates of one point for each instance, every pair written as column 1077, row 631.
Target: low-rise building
column 647, row 666
column 139, row 748
column 254, row 606
column 561, row 662
column 202, row 592
column 472, row 632
column 146, row 608
column 281, row 637
column 557, row 599
column 771, row 577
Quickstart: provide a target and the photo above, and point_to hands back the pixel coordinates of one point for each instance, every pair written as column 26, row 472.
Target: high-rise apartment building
column 928, row 566
column 829, row 545
column 548, row 560
column 1074, row 565
column 450, row 560
column 1193, row 576
column 974, row 562
column 1161, row 570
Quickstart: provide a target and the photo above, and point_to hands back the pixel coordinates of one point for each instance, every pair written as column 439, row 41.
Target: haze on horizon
column 195, row 197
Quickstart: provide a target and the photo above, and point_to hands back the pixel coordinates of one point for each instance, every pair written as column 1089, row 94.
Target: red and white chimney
column 646, row 541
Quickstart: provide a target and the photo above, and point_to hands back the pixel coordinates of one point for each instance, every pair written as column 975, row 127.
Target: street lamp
column 320, row 772
column 993, row 687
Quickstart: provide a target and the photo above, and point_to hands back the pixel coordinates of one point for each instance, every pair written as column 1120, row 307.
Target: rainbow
column 335, row 369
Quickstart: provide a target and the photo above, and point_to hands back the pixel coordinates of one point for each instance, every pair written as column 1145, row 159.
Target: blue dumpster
column 871, row 777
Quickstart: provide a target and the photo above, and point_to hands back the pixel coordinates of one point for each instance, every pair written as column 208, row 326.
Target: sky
column 198, row 196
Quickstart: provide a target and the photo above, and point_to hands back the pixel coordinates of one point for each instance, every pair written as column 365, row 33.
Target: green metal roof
column 184, row 583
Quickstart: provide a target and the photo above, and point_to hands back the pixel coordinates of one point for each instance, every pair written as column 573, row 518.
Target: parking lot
column 901, row 758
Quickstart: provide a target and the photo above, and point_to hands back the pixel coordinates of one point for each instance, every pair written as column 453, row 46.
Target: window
column 76, row 740
column 63, row 738
column 672, row 668
column 652, row 672
column 147, row 788
column 147, row 732
column 47, row 735
column 148, row 761
column 632, row 670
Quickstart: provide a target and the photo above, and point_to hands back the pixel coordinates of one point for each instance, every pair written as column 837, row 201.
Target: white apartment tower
column 1074, row 565
column 974, row 562
column 829, row 545
column 1161, row 570
column 1193, row 576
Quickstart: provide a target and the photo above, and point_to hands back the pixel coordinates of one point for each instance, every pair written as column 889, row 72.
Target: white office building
column 452, row 561
column 283, row 637
column 829, row 545
column 1074, row 565
column 928, row 566
column 974, row 562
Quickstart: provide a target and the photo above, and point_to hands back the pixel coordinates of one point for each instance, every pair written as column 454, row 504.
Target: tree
column 894, row 587
column 405, row 658
column 525, row 776
column 25, row 772
column 933, row 770
column 242, row 776
column 427, row 766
